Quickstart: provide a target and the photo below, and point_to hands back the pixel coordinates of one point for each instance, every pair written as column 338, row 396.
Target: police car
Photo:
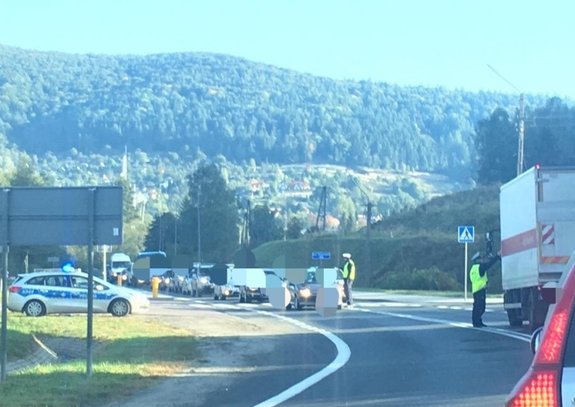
column 42, row 293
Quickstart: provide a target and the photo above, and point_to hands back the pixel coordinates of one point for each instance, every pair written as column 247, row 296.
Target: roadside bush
column 426, row 279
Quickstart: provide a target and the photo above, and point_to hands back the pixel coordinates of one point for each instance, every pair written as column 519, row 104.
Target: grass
column 132, row 352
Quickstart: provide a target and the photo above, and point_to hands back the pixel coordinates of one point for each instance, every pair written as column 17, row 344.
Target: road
column 420, row 352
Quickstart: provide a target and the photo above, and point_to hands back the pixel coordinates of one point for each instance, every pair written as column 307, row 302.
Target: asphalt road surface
column 383, row 353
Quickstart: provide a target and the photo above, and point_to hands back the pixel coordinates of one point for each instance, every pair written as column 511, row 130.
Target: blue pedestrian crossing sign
column 466, row 234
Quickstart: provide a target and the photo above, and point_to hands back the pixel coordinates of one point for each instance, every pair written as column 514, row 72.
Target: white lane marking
column 202, row 306
column 250, row 305
column 225, row 306
column 466, row 325
column 390, row 305
column 343, row 355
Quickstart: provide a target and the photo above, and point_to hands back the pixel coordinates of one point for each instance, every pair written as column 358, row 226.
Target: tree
column 26, row 174
column 264, row 226
column 210, row 213
column 130, row 211
column 162, row 234
column 346, row 211
column 496, row 145
column 294, row 228
column 549, row 137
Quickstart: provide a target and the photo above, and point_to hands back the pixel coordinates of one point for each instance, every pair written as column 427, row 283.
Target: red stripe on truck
column 555, row 259
column 518, row 243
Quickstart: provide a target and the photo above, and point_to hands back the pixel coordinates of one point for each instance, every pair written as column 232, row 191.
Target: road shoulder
column 228, row 346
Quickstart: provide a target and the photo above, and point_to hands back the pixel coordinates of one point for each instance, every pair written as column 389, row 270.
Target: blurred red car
column 550, row 380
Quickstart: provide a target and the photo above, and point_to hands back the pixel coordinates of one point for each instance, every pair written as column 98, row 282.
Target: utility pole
column 199, row 231
column 521, row 129
column 368, row 232
column 521, row 134
column 321, row 213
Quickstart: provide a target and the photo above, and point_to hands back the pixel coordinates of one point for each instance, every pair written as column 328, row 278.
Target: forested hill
column 230, row 106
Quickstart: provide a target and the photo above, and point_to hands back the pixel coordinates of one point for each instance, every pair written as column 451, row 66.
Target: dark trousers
column 478, row 307
column 347, row 284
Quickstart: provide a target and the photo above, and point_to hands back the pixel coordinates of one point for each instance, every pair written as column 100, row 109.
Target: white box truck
column 120, row 265
column 537, row 210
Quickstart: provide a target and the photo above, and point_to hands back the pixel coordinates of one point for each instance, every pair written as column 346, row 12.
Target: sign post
column 465, row 234
column 69, row 216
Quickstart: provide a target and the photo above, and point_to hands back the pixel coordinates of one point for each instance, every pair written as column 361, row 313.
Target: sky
column 449, row 43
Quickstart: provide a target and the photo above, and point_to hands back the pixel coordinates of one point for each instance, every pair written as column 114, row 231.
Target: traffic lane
column 495, row 316
column 395, row 361
column 242, row 380
column 296, row 357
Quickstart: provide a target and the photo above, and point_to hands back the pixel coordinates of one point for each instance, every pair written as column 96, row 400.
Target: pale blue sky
column 408, row 42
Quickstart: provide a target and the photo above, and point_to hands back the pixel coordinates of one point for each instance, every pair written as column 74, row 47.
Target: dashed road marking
column 389, row 304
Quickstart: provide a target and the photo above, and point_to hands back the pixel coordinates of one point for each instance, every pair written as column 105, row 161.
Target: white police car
column 41, row 293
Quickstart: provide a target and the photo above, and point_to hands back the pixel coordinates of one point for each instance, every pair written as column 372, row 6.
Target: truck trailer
column 537, row 214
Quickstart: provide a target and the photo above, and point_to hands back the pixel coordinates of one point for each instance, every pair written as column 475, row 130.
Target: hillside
column 222, row 105
column 413, row 249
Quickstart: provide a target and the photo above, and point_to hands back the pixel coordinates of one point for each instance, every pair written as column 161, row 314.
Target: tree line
column 549, row 140
column 216, row 104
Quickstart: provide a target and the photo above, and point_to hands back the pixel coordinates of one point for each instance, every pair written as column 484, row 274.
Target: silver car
column 42, row 293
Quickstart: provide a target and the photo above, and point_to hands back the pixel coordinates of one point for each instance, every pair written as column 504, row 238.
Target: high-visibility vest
column 477, row 281
column 349, row 270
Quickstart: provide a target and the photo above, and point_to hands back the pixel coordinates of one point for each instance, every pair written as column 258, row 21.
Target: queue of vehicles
column 537, row 245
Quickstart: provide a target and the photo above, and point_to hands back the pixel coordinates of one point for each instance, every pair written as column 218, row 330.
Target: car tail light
column 14, row 289
column 551, row 349
column 536, row 389
column 540, row 386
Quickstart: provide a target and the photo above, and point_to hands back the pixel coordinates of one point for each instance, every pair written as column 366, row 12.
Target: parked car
column 42, row 293
column 305, row 294
column 221, row 292
column 200, row 283
column 551, row 376
column 252, row 294
column 165, row 280
column 258, row 294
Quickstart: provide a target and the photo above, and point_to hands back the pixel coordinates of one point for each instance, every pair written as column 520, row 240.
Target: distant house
column 332, row 223
column 298, row 188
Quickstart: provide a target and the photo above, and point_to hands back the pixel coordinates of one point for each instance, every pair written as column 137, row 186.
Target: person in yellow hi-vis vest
column 348, row 274
column 478, row 277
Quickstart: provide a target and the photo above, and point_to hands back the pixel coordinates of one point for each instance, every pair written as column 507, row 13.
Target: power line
column 521, row 135
column 504, row 78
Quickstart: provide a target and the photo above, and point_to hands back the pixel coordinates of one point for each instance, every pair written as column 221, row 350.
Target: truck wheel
column 537, row 311
column 514, row 317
